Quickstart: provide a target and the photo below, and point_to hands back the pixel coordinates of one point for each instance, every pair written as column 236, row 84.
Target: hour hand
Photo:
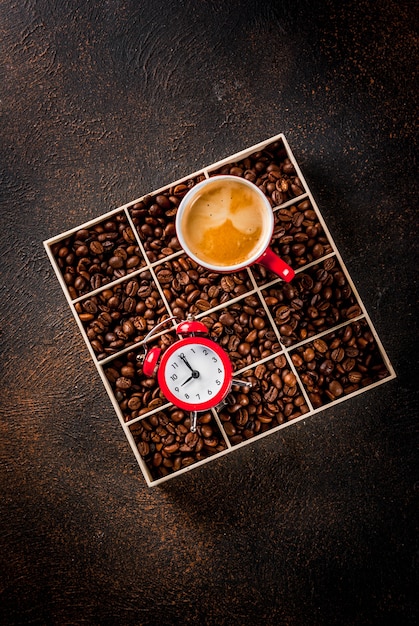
column 187, row 380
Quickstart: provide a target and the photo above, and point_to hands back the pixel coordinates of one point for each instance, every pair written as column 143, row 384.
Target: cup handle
column 274, row 263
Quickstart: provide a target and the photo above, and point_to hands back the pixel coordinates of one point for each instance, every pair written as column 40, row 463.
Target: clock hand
column 187, row 380
column 183, row 357
column 195, row 373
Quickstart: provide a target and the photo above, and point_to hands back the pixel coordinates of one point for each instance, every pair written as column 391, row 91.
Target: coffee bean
column 164, row 276
column 267, row 404
column 337, row 354
column 320, row 346
column 271, row 394
column 195, row 289
column 116, row 319
column 344, row 360
column 335, row 388
column 314, row 303
column 131, row 287
column 129, row 304
column 326, row 367
column 154, row 220
column 96, row 248
column 259, row 323
column 309, row 355
column 353, row 311
column 123, row 383
column 271, row 171
column 289, row 378
column 166, row 444
column 95, row 256
column 227, row 284
column 355, row 377
column 202, row 304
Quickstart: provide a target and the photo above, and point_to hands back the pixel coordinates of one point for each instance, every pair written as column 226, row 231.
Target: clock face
column 195, row 373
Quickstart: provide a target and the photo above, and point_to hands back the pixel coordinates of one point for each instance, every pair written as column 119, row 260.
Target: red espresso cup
column 225, row 223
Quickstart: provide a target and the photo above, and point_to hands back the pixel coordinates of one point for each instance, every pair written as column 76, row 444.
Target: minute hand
column 195, row 373
column 184, row 359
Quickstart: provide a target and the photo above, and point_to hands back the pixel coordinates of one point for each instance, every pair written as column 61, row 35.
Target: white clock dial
column 195, row 373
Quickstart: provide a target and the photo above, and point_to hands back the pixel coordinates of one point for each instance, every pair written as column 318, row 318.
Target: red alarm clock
column 194, row 373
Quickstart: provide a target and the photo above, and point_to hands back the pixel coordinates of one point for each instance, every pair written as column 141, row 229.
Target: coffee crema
column 225, row 223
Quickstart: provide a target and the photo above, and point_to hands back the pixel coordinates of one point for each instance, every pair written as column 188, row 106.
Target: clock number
column 175, row 365
column 205, row 352
column 198, row 396
column 214, row 359
column 218, row 382
column 177, row 389
column 174, row 377
column 210, row 392
column 220, row 371
column 187, row 396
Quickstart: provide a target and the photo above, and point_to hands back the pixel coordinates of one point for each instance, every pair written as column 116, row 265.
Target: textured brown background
column 101, row 103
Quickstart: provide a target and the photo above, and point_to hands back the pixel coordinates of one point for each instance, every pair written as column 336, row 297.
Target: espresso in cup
column 225, row 223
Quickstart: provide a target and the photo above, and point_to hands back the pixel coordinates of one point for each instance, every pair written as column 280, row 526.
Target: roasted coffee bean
column 154, row 220
column 340, row 363
column 289, row 378
column 131, row 287
column 326, row 367
column 271, row 394
column 355, row 377
column 129, row 304
column 116, row 320
column 320, row 345
column 268, row 403
column 335, row 388
column 164, row 276
column 353, row 311
column 227, row 319
column 202, row 304
column 337, row 354
column 193, row 289
column 297, row 360
column 312, row 304
column 96, row 247
column 271, row 171
column 95, row 256
column 260, row 371
column 123, row 383
column 298, row 238
column 309, row 355
column 227, row 283
column 173, row 445
column 243, row 329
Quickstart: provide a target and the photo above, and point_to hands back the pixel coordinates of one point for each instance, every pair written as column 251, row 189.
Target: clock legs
column 240, row 383
column 194, row 419
column 194, row 414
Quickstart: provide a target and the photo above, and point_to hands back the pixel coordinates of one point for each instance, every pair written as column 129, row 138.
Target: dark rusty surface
column 102, row 103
